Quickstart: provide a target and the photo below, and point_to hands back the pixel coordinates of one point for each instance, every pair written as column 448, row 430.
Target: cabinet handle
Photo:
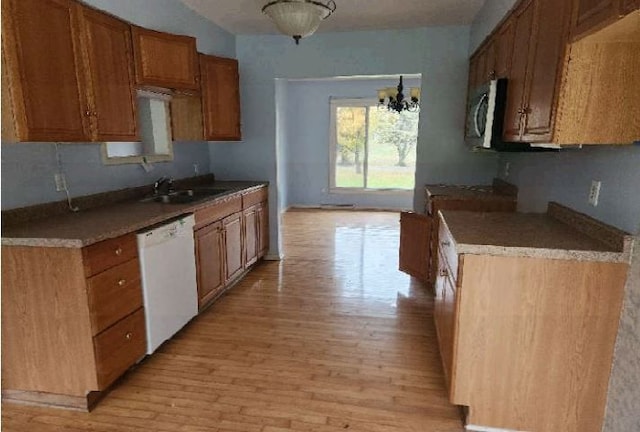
column 118, row 251
column 87, row 113
column 128, row 336
column 446, row 243
column 444, row 272
column 121, row 282
column 521, row 111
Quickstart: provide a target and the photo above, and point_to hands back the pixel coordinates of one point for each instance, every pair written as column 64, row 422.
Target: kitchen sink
column 185, row 196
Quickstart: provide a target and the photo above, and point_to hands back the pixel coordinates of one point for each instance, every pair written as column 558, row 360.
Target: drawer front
column 252, row 198
column 217, row 211
column 119, row 347
column 114, row 294
column 447, row 248
column 109, row 253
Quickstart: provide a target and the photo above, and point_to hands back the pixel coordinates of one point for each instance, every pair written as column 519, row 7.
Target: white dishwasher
column 168, row 268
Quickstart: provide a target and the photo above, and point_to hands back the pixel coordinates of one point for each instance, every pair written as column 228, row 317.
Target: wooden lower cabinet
column 229, row 239
column 415, row 234
column 251, row 236
column 209, row 262
column 527, row 342
column 233, row 240
column 70, row 326
column 263, row 229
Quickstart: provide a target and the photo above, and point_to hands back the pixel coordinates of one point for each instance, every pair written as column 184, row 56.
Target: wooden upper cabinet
column 186, row 117
column 110, row 72
column 220, row 98
column 490, row 58
column 628, row 6
column 165, row 60
column 592, row 15
column 504, row 49
column 523, row 25
column 546, row 64
column 45, row 81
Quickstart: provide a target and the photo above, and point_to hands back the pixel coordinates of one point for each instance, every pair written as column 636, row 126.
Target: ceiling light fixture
column 396, row 101
column 298, row 18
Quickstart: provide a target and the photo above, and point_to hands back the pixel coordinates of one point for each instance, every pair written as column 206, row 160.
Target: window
column 154, row 126
column 371, row 148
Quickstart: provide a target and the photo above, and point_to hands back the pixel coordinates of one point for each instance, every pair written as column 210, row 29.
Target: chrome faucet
column 163, row 185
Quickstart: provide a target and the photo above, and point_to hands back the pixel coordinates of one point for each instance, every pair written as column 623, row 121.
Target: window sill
column 353, row 191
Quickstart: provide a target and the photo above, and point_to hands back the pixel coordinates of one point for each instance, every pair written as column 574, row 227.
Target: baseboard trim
column 52, row 400
column 338, row 207
column 477, row 428
column 273, row 257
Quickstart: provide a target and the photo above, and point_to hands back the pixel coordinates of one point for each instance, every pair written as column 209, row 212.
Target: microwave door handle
column 476, row 114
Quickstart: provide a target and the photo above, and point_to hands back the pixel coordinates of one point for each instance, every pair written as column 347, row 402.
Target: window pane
column 350, row 140
column 392, row 149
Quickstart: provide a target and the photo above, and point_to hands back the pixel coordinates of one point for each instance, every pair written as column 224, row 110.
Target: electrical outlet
column 594, row 192
column 196, row 169
column 61, row 182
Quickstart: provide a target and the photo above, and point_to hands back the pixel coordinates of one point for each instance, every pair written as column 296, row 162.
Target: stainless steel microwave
column 485, row 114
column 485, row 120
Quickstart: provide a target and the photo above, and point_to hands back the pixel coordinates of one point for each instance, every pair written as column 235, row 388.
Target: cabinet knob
column 87, row 113
column 446, row 243
column 521, row 111
column 444, row 272
column 121, row 282
column 95, row 113
column 118, row 251
column 128, row 336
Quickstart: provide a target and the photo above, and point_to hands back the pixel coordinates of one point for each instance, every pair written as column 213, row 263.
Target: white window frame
column 334, row 104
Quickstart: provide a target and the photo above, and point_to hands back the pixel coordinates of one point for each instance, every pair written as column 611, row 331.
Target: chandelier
column 298, row 18
column 396, row 101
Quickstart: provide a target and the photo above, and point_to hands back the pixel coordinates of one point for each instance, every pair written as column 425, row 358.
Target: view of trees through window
column 374, row 148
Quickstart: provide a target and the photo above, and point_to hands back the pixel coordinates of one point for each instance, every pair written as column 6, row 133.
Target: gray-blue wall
column 28, row 168
column 440, row 54
column 308, row 137
column 566, row 177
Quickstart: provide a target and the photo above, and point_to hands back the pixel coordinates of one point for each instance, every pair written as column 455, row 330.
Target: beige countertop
column 93, row 225
column 550, row 235
column 481, row 192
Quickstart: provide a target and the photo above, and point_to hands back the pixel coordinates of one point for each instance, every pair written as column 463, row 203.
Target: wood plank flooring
column 333, row 338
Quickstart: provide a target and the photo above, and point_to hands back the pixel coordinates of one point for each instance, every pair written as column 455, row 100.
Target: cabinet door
column 109, row 65
column 250, row 217
column 629, row 6
column 490, row 59
column 220, row 98
column 164, row 59
column 504, row 49
column 444, row 317
column 523, row 17
column 592, row 15
column 263, row 229
column 186, row 117
column 209, row 262
column 551, row 29
column 481, row 67
column 415, row 232
column 40, row 39
column 233, row 242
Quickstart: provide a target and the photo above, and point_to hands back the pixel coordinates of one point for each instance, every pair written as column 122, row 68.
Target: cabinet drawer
column 447, row 248
column 217, row 211
column 255, row 197
column 114, row 294
column 109, row 253
column 119, row 347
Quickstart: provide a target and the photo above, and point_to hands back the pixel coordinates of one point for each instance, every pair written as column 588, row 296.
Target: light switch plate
column 594, row 192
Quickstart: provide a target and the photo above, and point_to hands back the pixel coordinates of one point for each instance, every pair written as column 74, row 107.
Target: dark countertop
column 79, row 229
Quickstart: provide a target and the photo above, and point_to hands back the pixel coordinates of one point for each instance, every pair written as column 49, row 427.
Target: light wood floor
column 333, row 338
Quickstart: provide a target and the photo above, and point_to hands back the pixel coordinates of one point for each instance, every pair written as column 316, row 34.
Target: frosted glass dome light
column 298, row 18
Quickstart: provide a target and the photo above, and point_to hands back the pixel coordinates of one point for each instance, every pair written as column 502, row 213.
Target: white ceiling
column 245, row 16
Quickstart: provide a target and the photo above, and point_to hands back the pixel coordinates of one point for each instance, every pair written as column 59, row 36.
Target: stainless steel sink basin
column 185, row 196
